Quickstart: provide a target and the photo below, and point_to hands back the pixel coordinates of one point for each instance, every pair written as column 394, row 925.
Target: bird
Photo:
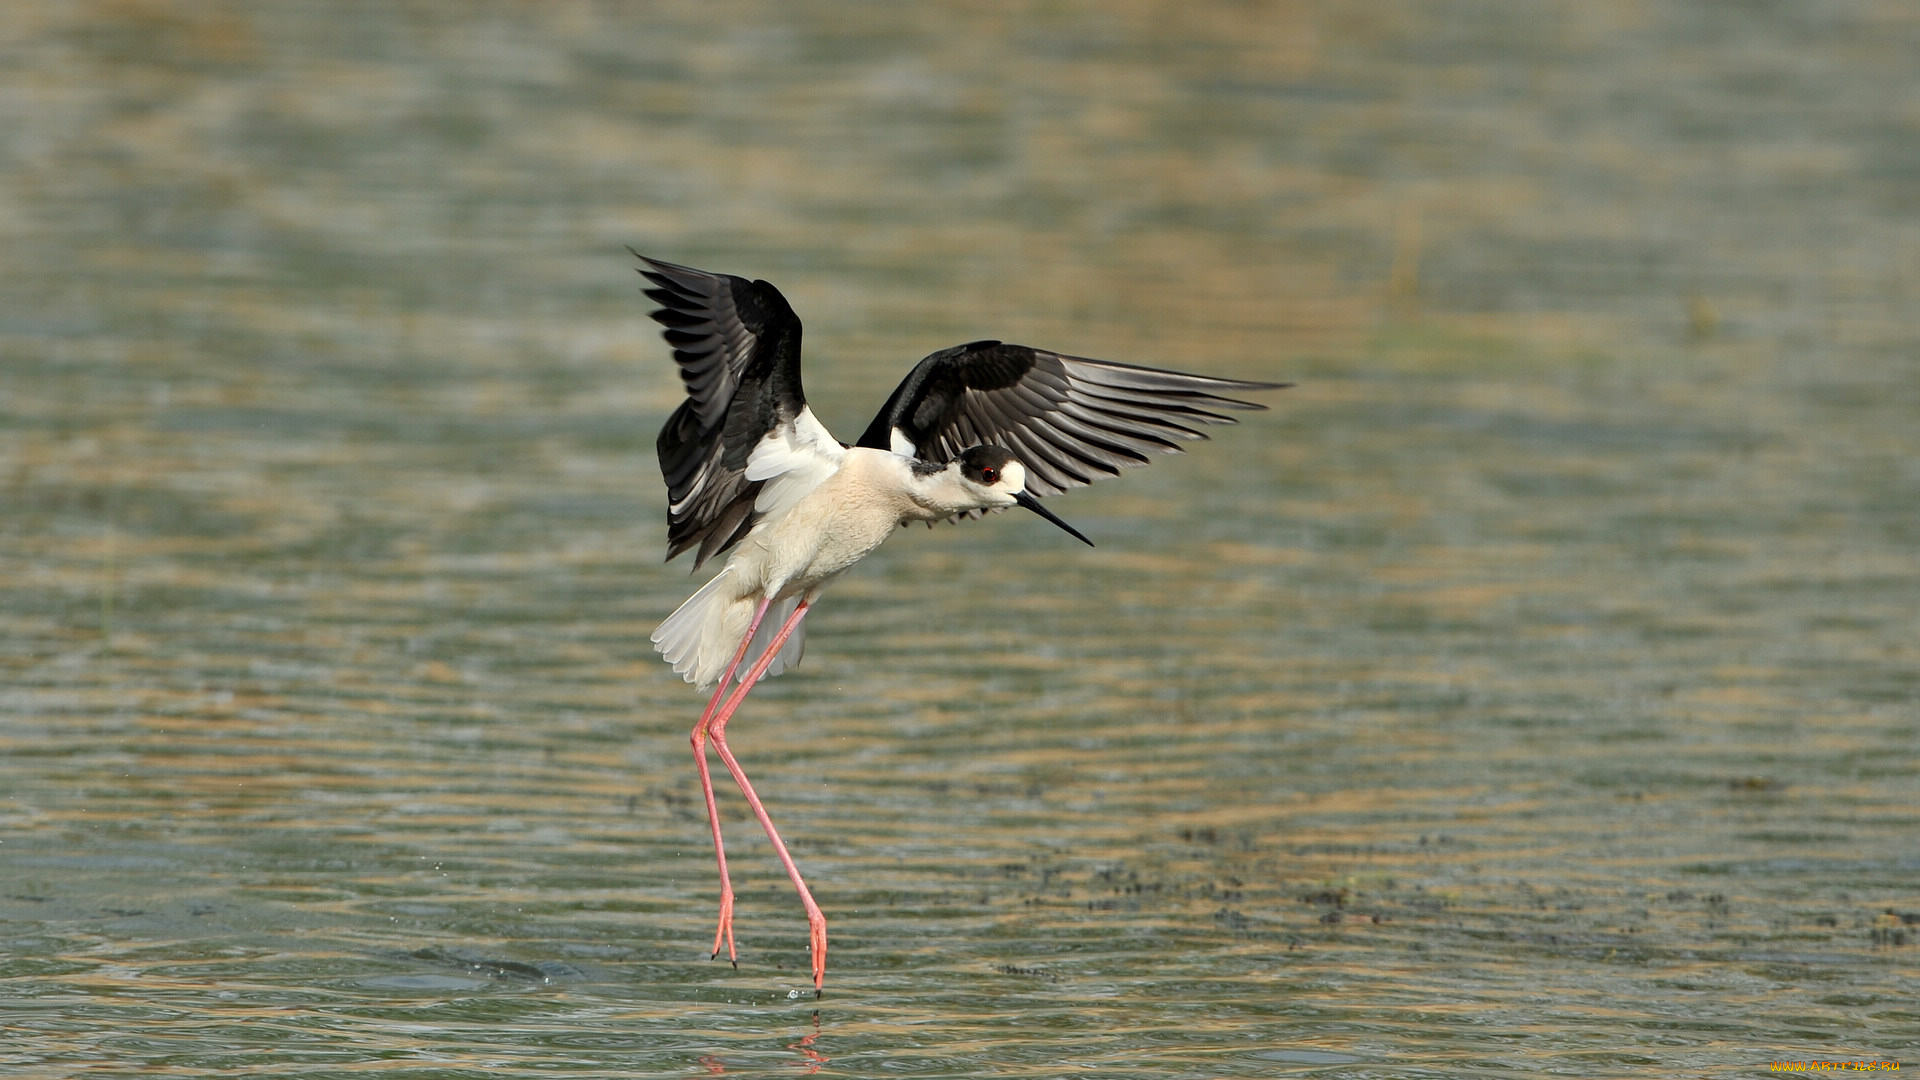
column 752, row 474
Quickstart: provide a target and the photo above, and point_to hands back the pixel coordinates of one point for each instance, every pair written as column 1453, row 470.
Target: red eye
column 990, row 475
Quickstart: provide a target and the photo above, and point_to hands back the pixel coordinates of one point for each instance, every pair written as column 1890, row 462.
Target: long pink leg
column 816, row 922
column 725, row 930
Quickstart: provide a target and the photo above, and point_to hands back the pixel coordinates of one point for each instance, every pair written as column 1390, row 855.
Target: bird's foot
column 817, row 942
column 725, row 930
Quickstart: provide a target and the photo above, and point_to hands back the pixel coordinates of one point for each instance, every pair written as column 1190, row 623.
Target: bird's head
column 990, row 475
column 994, row 479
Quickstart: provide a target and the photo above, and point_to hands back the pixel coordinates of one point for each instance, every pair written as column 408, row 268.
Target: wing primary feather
column 1070, row 419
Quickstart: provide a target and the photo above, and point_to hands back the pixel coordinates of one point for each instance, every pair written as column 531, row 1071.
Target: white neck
column 945, row 493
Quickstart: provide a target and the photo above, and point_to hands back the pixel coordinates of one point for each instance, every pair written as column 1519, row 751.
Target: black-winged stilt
column 752, row 474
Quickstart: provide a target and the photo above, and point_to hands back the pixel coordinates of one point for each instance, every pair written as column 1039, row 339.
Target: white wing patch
column 793, row 459
column 899, row 443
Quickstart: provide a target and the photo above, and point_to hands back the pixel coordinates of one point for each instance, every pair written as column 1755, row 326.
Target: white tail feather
column 699, row 638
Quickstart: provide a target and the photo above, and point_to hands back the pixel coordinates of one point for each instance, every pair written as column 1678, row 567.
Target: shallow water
column 1533, row 689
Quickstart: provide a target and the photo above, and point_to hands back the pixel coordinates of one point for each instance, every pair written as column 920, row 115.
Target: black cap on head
column 983, row 464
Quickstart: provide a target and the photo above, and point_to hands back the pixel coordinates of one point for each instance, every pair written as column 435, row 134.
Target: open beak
column 1033, row 504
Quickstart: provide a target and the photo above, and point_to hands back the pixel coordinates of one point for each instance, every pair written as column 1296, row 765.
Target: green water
column 1533, row 690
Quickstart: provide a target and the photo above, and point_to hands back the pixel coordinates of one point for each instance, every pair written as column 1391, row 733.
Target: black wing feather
column 737, row 343
column 1069, row 419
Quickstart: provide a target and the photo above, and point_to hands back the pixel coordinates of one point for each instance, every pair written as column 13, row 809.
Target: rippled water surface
column 1532, row 690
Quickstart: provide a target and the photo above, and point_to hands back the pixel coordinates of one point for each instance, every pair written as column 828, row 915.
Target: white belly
column 832, row 527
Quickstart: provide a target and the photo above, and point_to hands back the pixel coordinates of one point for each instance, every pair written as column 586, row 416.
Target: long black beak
column 1033, row 504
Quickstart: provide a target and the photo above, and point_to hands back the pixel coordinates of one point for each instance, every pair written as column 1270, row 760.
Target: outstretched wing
column 737, row 343
column 1070, row 420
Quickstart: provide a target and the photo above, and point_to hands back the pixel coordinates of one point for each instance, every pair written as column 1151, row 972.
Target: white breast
column 828, row 527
